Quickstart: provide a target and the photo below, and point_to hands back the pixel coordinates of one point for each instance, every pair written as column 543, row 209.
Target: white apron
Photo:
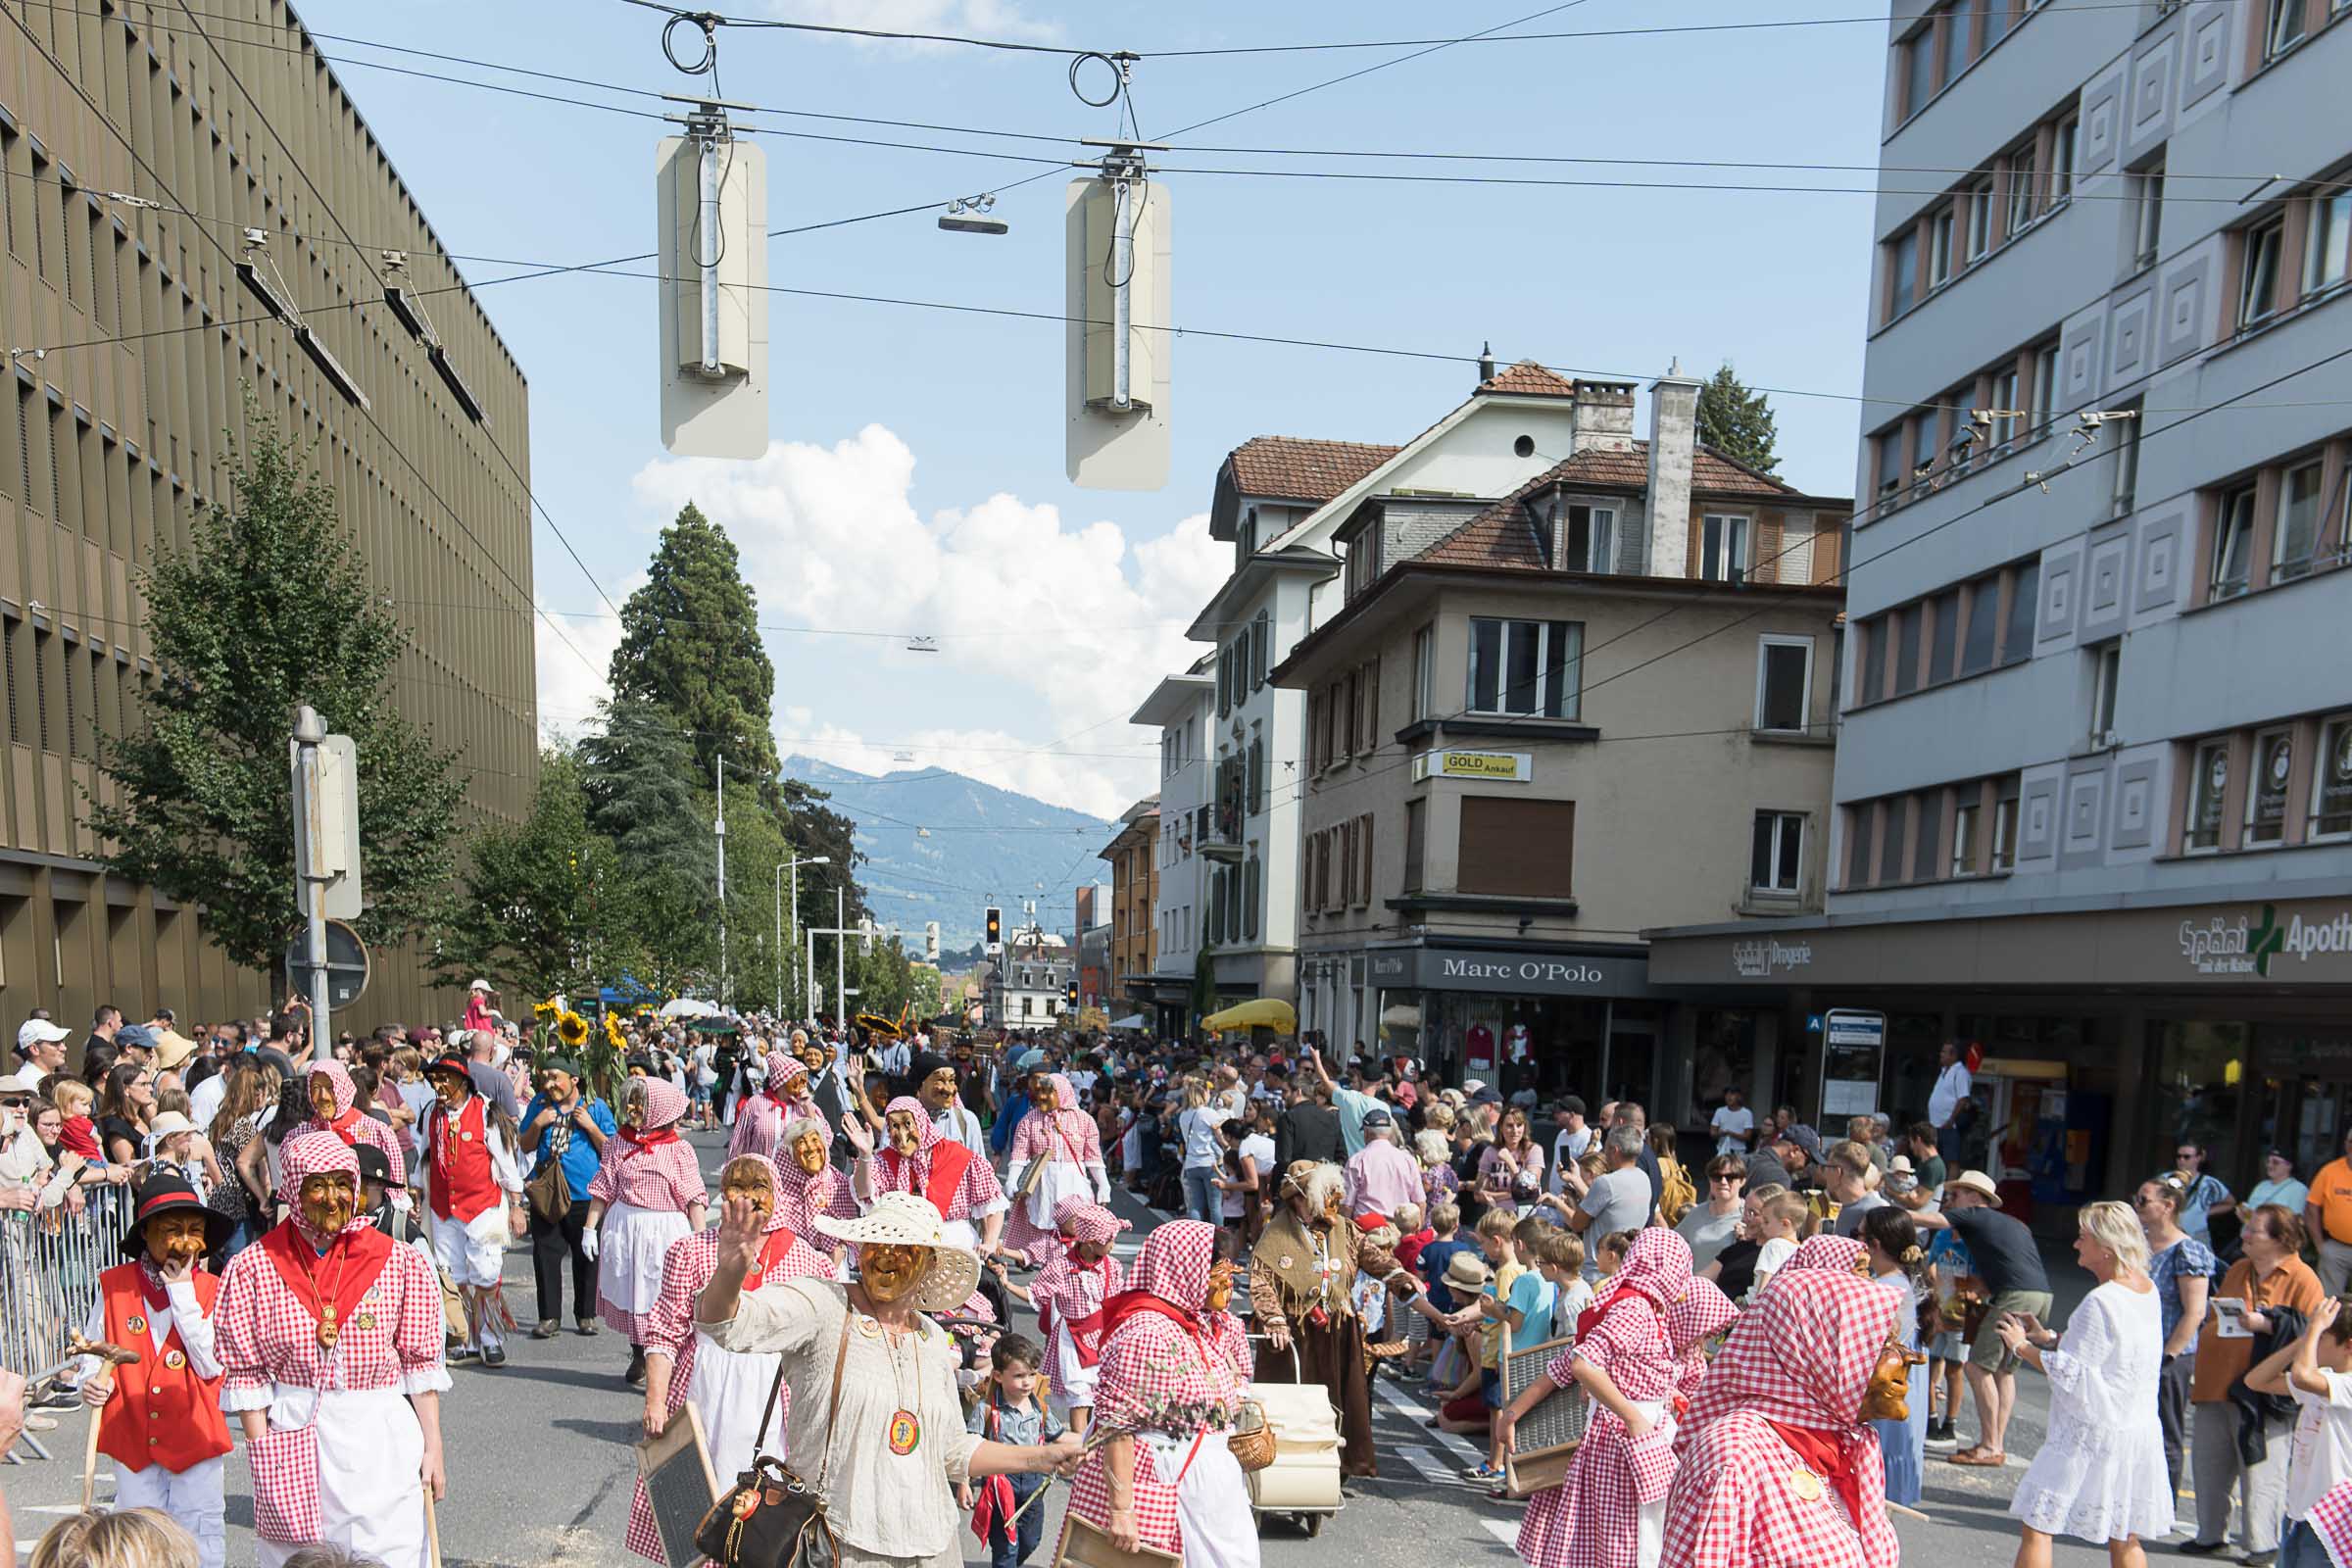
column 628, row 1261
column 727, row 1391
column 369, row 1451
column 1649, row 1531
column 1070, row 1385
column 1062, row 1178
column 1212, row 1500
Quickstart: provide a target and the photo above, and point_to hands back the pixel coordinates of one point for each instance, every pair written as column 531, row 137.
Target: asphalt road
column 541, row 1469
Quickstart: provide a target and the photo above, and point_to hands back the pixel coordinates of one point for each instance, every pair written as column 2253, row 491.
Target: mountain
column 942, row 846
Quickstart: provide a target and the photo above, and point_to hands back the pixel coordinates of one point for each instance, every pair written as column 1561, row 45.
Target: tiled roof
column 1527, row 378
column 1293, row 469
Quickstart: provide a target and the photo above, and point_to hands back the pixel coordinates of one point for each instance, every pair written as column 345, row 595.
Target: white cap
column 167, row 1123
column 39, row 1031
column 479, row 985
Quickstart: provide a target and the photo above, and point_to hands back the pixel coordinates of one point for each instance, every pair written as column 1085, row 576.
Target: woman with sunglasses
column 1711, row 1226
column 2182, row 1269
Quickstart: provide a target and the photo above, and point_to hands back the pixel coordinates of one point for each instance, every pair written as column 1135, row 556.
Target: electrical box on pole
column 931, row 941
column 711, row 216
column 1118, row 342
column 326, row 827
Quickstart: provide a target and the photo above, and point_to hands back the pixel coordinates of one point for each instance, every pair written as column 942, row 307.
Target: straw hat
column 168, row 1122
column 907, row 1219
column 1468, row 1271
column 1976, row 1181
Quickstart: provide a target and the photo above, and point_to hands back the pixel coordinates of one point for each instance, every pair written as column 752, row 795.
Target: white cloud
column 572, row 684
column 981, row 19
column 1066, row 617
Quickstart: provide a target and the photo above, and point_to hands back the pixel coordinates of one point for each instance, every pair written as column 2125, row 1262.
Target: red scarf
column 949, row 1162
column 341, row 1125
column 1828, row 1457
column 779, row 1242
column 653, row 1139
column 151, row 1286
column 1143, row 1303
column 1589, row 1318
column 337, row 1277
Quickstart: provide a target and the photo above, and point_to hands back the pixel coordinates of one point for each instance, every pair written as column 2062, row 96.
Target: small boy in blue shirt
column 1008, row 1411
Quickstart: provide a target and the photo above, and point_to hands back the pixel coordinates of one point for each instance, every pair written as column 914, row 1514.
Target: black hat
column 374, row 1166
column 172, row 1195
column 451, row 1062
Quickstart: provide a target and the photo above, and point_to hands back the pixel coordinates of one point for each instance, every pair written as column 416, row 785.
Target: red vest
column 161, row 1412
column 463, row 1186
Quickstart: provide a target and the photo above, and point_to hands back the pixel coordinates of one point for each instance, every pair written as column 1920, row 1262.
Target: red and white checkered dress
column 1067, row 1292
column 1800, row 1355
column 759, row 1119
column 1161, row 1377
column 1704, row 1312
column 1072, row 1150
column 977, row 1194
column 729, row 1389
column 646, row 1188
column 338, row 1462
column 1593, row 1519
column 2330, row 1519
column 351, row 1126
column 1837, row 1255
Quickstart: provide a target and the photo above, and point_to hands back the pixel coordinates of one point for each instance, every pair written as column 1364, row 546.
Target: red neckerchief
column 653, row 1139
column 341, row 1125
column 1589, row 1318
column 948, row 1162
column 357, row 1257
column 1143, row 1303
column 151, row 1286
column 779, row 1242
column 1827, row 1457
column 996, row 1504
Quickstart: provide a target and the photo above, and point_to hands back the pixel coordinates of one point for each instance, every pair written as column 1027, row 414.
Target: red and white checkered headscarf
column 782, row 1067
column 1082, row 1221
column 1657, row 1265
column 1704, row 1311
column 777, row 1218
column 1802, row 1353
column 1835, row 1254
column 339, row 1077
column 306, row 1155
column 664, row 1102
column 1175, row 1262
column 1066, row 1099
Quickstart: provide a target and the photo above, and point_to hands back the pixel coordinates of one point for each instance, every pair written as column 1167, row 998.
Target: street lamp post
column 797, row 863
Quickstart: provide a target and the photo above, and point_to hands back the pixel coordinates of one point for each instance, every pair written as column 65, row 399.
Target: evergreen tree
column 690, row 645
column 270, row 607
column 638, row 779
column 539, row 896
column 1737, row 422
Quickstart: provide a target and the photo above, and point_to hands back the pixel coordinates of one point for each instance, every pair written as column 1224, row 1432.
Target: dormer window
column 1363, row 559
column 1588, row 539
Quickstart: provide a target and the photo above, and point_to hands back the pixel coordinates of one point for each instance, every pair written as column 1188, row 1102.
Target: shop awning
column 1266, row 1012
column 1133, row 1020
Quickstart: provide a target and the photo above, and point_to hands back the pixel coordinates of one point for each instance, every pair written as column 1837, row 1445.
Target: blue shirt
column 1354, row 1106
column 1434, row 1259
column 1027, row 1425
column 580, row 1157
column 2197, row 1204
column 1531, row 1298
column 2188, row 1257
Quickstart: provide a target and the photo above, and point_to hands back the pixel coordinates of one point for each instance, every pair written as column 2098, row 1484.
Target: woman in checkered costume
column 1064, row 1136
column 1175, row 1367
column 1611, row 1510
column 1692, row 1324
column 329, row 1338
column 1069, row 1293
column 647, row 1195
column 810, row 1186
column 919, row 1161
column 728, row 1391
column 332, row 1094
column 759, row 1121
column 1778, row 1468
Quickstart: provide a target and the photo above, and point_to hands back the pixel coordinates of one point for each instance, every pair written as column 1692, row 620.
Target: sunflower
column 571, row 1029
column 544, row 1008
column 612, row 1034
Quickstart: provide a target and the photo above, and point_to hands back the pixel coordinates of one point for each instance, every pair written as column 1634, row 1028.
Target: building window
column 1425, row 671
column 2021, row 190
column 2331, row 782
column 1591, row 539
column 1924, row 429
column 2025, row 589
column 1903, row 265
column 2004, row 827
column 2126, row 461
column 1859, row 865
column 1723, row 548
column 1952, row 22
column 2295, row 539
column 2062, row 159
column 1870, row 650
column 2285, row 28
column 2106, row 677
column 1940, row 247
column 1525, row 669
column 1785, row 684
column 1965, row 847
column 2147, row 216
column 1978, row 643
column 1927, row 831
column 2233, row 545
column 1906, row 647
column 2046, row 386
column 2266, row 789
column 1943, row 637
column 1363, row 560
column 1417, row 841
column 2208, row 785
column 1890, row 841
column 2328, row 255
column 1249, row 889
column 1979, row 198
column 2005, row 407
column 2258, row 281
column 1261, row 643
column 1776, row 853
column 1919, row 68
column 1515, row 844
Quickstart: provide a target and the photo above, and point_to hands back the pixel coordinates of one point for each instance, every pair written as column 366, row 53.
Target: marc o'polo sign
column 1545, row 974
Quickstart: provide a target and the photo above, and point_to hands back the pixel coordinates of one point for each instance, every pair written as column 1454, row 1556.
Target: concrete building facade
column 2097, row 748
column 157, row 326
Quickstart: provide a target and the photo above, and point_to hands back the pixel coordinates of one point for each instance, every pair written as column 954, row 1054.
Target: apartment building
column 1540, row 722
column 136, row 334
column 1134, row 856
column 2094, row 788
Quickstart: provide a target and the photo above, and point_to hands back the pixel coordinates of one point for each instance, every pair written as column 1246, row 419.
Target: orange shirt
column 2222, row 1362
column 2331, row 1196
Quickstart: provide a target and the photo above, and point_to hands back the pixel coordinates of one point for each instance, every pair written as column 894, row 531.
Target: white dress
column 2100, row 1474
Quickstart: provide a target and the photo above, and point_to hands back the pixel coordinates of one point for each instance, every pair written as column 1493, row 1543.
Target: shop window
column 1775, row 854
column 2208, row 785
column 2332, row 781
column 2266, row 788
column 1512, row 845
column 2201, row 1069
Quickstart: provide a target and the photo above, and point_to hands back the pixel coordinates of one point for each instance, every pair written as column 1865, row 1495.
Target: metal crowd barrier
column 49, row 1266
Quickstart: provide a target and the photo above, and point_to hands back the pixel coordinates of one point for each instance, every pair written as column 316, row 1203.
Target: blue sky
column 916, row 484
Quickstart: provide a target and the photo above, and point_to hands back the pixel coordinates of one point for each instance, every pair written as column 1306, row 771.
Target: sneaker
column 1483, row 1473
column 2259, row 1559
column 494, row 1356
column 587, row 1328
column 462, row 1352
column 546, row 1328
column 2201, row 1548
column 1943, row 1439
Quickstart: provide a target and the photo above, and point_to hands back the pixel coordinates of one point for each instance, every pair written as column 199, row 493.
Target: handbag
column 549, row 1188
column 771, row 1518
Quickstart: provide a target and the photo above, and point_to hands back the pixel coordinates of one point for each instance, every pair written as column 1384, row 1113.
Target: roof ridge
column 1747, row 469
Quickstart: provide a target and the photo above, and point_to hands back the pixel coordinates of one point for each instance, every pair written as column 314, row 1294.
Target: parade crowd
column 1764, row 1351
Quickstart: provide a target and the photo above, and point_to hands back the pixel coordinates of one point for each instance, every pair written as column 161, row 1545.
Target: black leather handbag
column 771, row 1518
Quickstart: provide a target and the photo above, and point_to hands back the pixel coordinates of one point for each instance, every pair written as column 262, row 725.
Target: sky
column 914, row 482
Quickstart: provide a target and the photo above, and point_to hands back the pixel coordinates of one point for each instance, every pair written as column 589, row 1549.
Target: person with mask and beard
column 1069, row 1293
column 914, row 1158
column 329, row 1341
column 1175, row 1369
column 885, row 1459
column 807, row 1185
column 472, row 1181
column 1056, row 1157
column 1303, row 1292
column 159, row 1415
column 728, row 1391
column 647, row 1195
column 332, row 1097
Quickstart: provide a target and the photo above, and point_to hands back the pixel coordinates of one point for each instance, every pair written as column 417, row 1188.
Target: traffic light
column 1069, row 996
column 996, row 930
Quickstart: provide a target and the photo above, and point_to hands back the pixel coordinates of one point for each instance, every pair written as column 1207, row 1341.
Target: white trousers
column 192, row 1497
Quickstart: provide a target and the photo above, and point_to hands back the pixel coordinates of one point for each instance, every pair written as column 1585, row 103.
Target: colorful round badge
column 904, row 1432
column 174, row 1360
column 137, row 1325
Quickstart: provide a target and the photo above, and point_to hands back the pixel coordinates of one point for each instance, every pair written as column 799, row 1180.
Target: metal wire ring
column 710, row 25
column 1118, row 83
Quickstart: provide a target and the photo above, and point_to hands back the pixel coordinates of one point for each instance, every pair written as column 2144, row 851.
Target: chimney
column 1485, row 362
column 1604, row 416
column 1673, row 439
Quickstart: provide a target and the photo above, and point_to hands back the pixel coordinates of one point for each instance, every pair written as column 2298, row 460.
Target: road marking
column 1505, row 1531
column 1432, row 1467
column 1403, row 1405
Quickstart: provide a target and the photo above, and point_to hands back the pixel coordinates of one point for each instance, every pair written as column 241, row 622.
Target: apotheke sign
column 2248, row 945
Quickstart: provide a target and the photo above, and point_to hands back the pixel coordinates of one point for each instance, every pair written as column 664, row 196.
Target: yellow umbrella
column 1266, row 1012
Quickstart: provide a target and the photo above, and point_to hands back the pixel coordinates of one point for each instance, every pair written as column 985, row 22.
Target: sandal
column 1981, row 1459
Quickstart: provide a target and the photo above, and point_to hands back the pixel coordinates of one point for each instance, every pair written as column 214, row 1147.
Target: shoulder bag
column 771, row 1518
column 549, row 1188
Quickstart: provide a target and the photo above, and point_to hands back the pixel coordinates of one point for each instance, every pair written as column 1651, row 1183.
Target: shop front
column 2106, row 1037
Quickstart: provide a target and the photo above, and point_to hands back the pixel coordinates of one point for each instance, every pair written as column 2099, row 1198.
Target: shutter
column 1363, row 863
column 1511, row 845
column 1764, row 563
column 1694, row 559
column 1372, row 706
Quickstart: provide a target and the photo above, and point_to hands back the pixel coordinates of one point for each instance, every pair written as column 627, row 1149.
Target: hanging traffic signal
column 995, row 931
column 1069, row 996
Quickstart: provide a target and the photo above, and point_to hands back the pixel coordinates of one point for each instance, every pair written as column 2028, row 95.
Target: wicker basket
column 1250, row 1439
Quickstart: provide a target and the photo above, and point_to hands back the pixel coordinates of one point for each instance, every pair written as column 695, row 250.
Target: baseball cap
column 39, row 1032
column 135, row 1036
column 1485, row 1095
column 1379, row 1118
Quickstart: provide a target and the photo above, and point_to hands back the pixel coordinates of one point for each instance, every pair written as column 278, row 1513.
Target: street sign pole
column 310, row 732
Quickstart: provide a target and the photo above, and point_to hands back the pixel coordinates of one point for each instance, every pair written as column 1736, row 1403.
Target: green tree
column 1737, row 422
column 690, row 645
column 816, row 829
column 536, row 899
column 637, row 777
column 270, row 607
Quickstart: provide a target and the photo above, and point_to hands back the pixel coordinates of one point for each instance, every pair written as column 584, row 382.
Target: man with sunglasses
column 2203, row 1195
